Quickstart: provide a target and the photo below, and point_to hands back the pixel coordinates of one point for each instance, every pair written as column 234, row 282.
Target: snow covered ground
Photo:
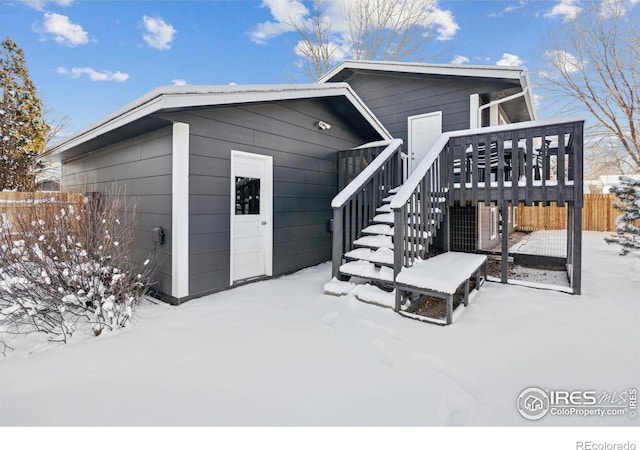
column 280, row 352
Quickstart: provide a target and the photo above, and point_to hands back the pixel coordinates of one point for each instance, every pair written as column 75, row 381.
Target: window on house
column 247, row 196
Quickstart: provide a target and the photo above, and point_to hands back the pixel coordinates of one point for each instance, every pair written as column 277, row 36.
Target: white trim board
column 180, row 211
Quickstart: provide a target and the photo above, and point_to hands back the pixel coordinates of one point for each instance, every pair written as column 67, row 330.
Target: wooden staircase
column 385, row 223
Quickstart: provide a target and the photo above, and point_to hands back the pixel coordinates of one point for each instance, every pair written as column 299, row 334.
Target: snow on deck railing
column 404, row 193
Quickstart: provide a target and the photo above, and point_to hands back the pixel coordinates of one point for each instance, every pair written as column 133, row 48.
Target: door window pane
column 247, row 196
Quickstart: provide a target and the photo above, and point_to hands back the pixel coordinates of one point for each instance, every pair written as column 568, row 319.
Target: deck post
column 446, row 236
column 449, row 309
column 504, row 221
column 576, row 280
column 338, row 236
column 466, row 291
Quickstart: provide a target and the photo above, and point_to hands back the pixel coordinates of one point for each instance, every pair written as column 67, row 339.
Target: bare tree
column 594, row 66
column 389, row 30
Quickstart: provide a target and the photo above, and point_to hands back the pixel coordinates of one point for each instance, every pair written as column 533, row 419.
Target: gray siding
column 304, row 173
column 394, row 98
column 141, row 168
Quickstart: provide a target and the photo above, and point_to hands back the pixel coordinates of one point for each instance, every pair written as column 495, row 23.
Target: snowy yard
column 280, row 352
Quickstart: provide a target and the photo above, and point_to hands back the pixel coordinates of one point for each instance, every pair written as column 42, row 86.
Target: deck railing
column 529, row 161
column 353, row 161
column 518, row 162
column 355, row 206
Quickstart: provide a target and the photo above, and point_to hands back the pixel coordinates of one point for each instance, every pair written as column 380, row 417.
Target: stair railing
column 419, row 206
column 355, row 206
column 507, row 163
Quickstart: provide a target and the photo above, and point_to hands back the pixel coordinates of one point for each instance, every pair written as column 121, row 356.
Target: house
column 417, row 102
column 475, row 151
column 376, row 167
column 239, row 178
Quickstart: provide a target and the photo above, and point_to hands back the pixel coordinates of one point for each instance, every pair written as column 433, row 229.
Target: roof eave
column 504, row 72
column 171, row 97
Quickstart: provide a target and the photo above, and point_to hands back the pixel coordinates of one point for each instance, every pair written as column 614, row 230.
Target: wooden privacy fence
column 43, row 205
column 598, row 214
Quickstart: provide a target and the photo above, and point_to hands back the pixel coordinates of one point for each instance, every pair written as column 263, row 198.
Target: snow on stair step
column 364, row 269
column 384, row 208
column 374, row 241
column 384, row 218
column 338, row 288
column 382, row 255
column 372, row 294
column 395, row 190
column 388, row 198
column 386, row 230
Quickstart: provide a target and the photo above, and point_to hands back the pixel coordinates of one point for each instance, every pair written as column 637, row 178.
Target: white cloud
column 563, row 60
column 94, row 75
column 338, row 52
column 509, row 59
column 445, row 23
column 569, row 9
column 64, row 31
column 284, row 13
column 287, row 12
column 158, row 34
column 179, row 82
column 611, row 8
column 459, row 59
column 40, row 4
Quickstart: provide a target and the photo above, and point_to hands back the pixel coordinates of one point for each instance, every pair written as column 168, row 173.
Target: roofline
column 480, row 71
column 167, row 97
column 507, row 72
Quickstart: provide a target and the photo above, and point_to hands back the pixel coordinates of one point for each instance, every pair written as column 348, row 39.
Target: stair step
column 364, row 269
column 387, row 218
column 386, row 208
column 385, row 230
column 338, row 288
column 380, row 256
column 372, row 294
column 384, row 218
column 374, row 241
column 395, row 189
column 388, row 198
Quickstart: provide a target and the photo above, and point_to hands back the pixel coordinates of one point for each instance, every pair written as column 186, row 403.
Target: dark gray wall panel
column 394, row 98
column 305, row 181
column 140, row 168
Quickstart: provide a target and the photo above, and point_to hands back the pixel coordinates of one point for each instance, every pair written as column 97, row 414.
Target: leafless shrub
column 62, row 264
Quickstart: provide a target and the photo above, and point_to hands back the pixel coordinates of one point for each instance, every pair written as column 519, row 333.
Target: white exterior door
column 251, row 215
column 423, row 130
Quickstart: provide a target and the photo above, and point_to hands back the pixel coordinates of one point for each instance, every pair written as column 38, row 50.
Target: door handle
column 264, row 222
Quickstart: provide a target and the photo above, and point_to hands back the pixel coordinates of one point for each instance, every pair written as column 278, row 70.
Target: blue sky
column 88, row 58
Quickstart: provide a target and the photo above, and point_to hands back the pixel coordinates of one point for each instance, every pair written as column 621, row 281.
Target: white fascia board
column 525, row 82
column 169, row 97
column 427, row 69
